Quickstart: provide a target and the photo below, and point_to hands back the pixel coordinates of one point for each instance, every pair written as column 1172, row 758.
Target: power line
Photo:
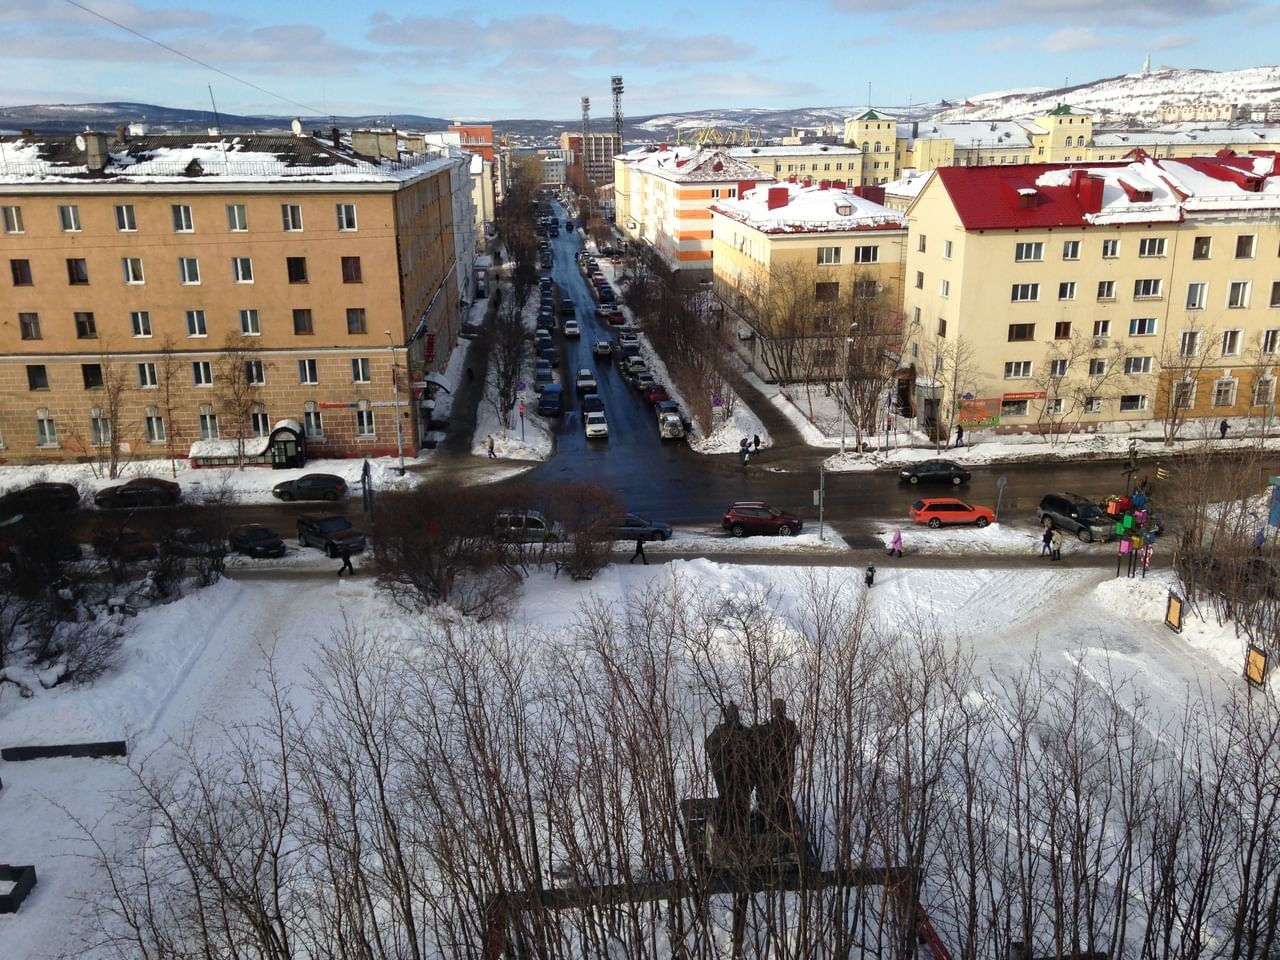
column 186, row 56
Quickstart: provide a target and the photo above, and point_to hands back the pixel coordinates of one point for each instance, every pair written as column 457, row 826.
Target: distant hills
column 1132, row 97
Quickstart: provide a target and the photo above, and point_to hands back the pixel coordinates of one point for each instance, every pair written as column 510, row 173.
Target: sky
column 535, row 59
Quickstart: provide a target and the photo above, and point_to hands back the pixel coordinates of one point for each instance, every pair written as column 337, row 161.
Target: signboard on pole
column 980, row 412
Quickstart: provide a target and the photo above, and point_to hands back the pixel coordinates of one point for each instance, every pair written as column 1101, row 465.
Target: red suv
column 754, row 516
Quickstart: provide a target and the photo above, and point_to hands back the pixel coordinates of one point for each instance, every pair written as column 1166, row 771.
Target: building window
column 944, row 289
column 77, row 271
column 360, row 370
column 946, row 249
column 1134, row 366
column 237, row 218
column 29, row 326
column 99, row 428
column 69, row 218
column 1025, row 252
column 307, row 372
column 1184, row 395
column 86, row 327
column 37, row 377
column 1147, row 289
column 1196, row 293
column 188, row 270
column 1224, row 393
column 155, row 425
column 1067, row 290
column 1231, row 340
column 915, row 316
column 132, row 267
column 826, row 292
column 291, row 214
column 1102, row 328
column 1014, row 408
column 1201, row 248
column 1097, row 367
column 21, row 272
column 1054, row 405
column 1245, row 244
column 91, row 374
column 1070, row 249
column 249, row 326
column 1238, row 295
column 312, row 421
column 1275, row 294
column 1133, row 402
column 259, row 424
column 1264, row 391
column 1142, row 327
column 126, row 220
column 1106, row 289
column 1024, row 292
column 12, row 219
column 828, row 256
column 919, row 279
column 942, row 327
column 254, row 374
column 296, row 268
column 1021, row 331
column 46, row 429
column 1062, row 330
column 182, row 222
column 920, row 240
column 1151, row 247
column 242, row 269
column 1110, row 249
column 1271, row 341
column 201, row 373
column 147, row 376
column 196, row 326
column 1189, row 343
column 351, row 272
column 1058, row 367
column 1092, row 404
column 364, row 419
column 302, row 322
column 1017, row 370
column 868, row 254
column 208, row 423
column 346, row 216
column 356, row 320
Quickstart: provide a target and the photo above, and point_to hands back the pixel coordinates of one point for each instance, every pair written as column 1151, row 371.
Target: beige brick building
column 164, row 292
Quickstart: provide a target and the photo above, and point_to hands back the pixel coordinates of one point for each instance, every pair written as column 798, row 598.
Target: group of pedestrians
column 1051, row 543
column 745, row 447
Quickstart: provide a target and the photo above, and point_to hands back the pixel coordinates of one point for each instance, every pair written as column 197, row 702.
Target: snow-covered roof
column 699, row 165
column 908, row 186
column 1208, row 136
column 821, row 207
column 983, row 133
column 795, row 150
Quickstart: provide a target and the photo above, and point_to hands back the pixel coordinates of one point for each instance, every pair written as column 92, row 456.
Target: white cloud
column 1077, row 38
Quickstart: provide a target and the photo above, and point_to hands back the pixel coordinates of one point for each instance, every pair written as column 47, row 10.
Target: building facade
column 167, row 291
column 594, row 156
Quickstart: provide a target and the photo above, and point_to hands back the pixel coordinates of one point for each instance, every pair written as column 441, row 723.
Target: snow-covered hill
column 1135, row 95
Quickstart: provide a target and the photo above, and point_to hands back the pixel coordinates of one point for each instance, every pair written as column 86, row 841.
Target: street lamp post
column 391, row 346
column 844, row 381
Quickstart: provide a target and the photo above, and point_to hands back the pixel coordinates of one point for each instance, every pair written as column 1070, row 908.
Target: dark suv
column 311, row 486
column 330, row 534
column 1076, row 514
column 754, row 516
column 935, row 471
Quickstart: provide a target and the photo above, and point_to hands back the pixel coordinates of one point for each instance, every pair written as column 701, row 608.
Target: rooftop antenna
column 218, row 122
column 868, row 94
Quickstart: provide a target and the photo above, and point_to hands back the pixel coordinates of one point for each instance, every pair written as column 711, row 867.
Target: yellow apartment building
column 820, row 241
column 166, row 295
column 819, row 161
column 1100, row 296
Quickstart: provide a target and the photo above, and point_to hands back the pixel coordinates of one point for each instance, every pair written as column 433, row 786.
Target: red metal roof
column 996, row 198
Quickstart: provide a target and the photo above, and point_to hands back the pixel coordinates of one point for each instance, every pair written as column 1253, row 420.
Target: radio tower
column 586, row 129
column 615, row 84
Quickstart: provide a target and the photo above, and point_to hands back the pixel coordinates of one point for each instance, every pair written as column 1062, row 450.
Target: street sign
column 716, row 401
column 522, row 408
column 1002, row 482
column 520, row 385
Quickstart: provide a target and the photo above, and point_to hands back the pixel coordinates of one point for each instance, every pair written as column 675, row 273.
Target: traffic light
column 1161, row 473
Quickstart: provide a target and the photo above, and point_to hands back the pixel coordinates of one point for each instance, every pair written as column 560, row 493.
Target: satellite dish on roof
column 80, row 145
column 296, row 127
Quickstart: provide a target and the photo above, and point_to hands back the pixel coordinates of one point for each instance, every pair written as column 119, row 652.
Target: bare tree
column 1078, row 373
column 238, row 376
column 169, row 368
column 508, row 350
column 1182, row 364
column 872, row 348
column 112, row 440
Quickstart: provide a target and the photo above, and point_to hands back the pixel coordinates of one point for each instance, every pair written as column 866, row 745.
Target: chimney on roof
column 26, row 133
column 744, row 186
column 791, row 179
column 122, row 134
column 839, row 184
column 335, row 136
column 874, row 193
column 824, row 184
column 95, row 151
column 777, row 197
column 808, row 181
column 1088, row 190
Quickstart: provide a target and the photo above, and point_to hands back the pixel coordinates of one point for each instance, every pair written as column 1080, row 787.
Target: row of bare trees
column 1058, row 807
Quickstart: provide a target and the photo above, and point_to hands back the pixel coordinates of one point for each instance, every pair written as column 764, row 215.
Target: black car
column 635, row 527
column 255, row 540
column 935, row 471
column 142, row 492
column 591, row 403
column 331, row 534
column 1076, row 514
column 123, row 545
column 40, row 497
column 311, row 486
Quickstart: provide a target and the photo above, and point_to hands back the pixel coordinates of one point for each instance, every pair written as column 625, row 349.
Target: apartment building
column 1102, row 295
column 594, row 155
column 167, row 293
column 823, row 243
column 820, row 161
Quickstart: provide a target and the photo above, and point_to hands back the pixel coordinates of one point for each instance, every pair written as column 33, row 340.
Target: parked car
column 141, row 492
column 551, row 355
column 602, row 348
column 551, row 400
column 636, row 365
column 749, row 517
column 656, row 394
column 635, row 527
column 615, row 317
column 526, row 526
column 586, row 381
column 670, row 426
column 629, row 336
column 470, row 331
column 595, row 426
column 124, row 545
column 643, row 380
column 935, row 471
column 1076, row 514
column 332, row 534
column 255, row 540
column 311, row 486
column 186, row 542
column 42, row 497
column 543, row 378
column 936, row 511
column 572, row 328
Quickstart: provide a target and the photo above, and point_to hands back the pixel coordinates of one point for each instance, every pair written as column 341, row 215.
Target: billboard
column 980, row 412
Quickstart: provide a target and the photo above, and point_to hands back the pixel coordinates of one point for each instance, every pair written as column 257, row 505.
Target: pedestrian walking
column 1046, row 542
column 1223, row 427
column 1259, row 539
column 1057, row 545
column 471, row 374
column 746, row 455
column 491, row 455
column 639, row 552
column 959, row 435
column 755, row 441
column 870, row 577
column 345, row 554
column 744, row 445
column 895, row 545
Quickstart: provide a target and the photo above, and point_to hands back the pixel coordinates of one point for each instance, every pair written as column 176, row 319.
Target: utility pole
column 395, row 379
column 615, row 85
column 586, row 130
